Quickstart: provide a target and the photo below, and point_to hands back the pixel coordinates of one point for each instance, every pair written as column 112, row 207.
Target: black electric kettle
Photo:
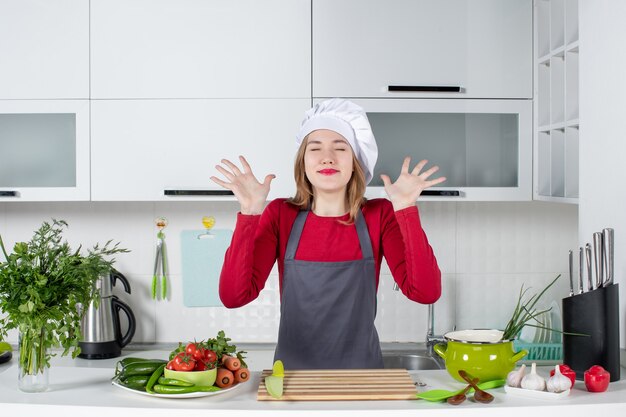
column 102, row 334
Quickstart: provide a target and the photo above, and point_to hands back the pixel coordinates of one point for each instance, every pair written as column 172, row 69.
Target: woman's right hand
column 250, row 193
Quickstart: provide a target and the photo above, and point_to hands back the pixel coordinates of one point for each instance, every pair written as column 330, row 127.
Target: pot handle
column 519, row 355
column 441, row 349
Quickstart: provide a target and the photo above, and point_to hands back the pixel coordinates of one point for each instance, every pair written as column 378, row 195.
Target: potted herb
column 43, row 283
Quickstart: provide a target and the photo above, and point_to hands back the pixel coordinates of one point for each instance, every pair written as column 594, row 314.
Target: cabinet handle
column 182, row 193
column 8, row 193
column 442, row 193
column 426, row 88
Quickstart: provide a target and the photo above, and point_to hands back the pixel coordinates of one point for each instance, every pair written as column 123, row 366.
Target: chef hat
column 350, row 121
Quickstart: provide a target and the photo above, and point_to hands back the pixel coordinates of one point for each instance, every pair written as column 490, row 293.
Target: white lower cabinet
column 164, row 150
column 44, row 150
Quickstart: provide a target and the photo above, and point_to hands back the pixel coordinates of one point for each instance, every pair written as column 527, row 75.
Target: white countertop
column 83, row 387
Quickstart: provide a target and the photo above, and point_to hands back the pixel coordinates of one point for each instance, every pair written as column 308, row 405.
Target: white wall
column 485, row 250
column 602, row 139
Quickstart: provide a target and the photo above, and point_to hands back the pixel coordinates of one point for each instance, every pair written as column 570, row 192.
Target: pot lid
column 476, row 336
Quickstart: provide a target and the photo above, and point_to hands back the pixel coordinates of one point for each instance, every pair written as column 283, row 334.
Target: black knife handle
column 425, row 88
column 4, row 193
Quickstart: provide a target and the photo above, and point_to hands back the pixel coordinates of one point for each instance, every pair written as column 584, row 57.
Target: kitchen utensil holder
column 596, row 314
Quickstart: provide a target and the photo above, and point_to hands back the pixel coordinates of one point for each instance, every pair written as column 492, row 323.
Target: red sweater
column 259, row 240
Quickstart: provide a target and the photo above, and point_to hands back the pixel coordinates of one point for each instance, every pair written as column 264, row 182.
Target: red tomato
column 184, row 362
column 170, row 365
column 200, row 366
column 191, row 349
column 209, row 356
column 597, row 379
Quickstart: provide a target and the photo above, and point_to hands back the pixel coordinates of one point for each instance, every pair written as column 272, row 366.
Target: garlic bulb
column 533, row 380
column 558, row 382
column 514, row 378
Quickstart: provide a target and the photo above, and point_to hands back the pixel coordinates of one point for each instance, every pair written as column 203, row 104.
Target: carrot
column 224, row 357
column 232, row 364
column 242, row 375
column 225, row 378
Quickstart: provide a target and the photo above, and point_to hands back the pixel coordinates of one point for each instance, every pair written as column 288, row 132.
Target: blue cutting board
column 202, row 261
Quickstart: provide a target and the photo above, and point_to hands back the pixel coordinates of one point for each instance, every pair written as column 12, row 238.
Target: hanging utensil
column 159, row 277
column 608, row 235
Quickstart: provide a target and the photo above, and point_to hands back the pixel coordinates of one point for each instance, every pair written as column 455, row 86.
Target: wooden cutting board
column 342, row 385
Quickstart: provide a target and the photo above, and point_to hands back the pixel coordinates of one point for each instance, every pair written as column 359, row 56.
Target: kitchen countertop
column 83, row 387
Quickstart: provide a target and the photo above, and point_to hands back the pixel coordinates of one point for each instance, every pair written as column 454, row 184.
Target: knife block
column 596, row 314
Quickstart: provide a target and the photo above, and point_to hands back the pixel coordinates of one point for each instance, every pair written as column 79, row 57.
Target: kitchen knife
column 571, row 273
column 581, row 270
column 589, row 273
column 608, row 237
column 598, row 256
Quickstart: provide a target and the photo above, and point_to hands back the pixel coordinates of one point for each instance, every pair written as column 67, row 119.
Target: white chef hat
column 350, row 121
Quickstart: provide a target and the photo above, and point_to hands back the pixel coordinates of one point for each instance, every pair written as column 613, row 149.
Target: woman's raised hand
column 250, row 193
column 404, row 192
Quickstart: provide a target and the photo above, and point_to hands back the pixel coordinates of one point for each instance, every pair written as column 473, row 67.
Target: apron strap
column 298, row 226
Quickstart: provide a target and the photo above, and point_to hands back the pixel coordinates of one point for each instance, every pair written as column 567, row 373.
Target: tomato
column 184, row 362
column 209, row 356
column 200, row 366
column 170, row 365
column 191, row 349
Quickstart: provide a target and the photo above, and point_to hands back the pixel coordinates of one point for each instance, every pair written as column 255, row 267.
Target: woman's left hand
column 404, row 192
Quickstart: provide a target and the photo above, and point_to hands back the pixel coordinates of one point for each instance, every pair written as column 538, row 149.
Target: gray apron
column 328, row 309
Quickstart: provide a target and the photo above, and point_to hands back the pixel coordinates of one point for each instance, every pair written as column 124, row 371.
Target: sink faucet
column 431, row 339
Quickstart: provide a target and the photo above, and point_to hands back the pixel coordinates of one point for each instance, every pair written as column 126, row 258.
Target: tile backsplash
column 486, row 251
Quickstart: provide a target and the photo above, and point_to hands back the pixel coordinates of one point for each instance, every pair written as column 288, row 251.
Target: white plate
column 528, row 334
column 189, row 395
column 530, row 393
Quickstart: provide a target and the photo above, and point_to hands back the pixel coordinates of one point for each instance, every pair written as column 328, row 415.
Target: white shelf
column 556, row 101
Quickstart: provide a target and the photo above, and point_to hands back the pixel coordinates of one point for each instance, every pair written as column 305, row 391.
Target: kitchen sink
column 410, row 361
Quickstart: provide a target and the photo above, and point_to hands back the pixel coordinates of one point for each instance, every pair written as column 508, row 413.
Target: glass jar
column 32, row 362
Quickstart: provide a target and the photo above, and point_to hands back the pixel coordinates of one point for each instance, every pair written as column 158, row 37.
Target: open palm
column 250, row 193
column 407, row 188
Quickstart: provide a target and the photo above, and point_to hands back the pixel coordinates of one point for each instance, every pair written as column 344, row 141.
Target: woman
column 329, row 242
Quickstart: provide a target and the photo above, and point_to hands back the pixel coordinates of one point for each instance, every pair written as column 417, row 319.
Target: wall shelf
column 556, row 137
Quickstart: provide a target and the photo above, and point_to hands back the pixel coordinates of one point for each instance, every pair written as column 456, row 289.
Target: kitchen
column 487, row 246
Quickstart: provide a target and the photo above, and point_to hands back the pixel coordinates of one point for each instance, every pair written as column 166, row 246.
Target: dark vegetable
column 127, row 361
column 140, row 368
column 154, row 378
column 174, row 382
column 170, row 389
column 137, row 382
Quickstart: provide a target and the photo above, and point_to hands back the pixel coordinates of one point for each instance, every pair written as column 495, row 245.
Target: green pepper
column 140, row 368
column 154, row 378
column 170, row 389
column 174, row 382
column 137, row 382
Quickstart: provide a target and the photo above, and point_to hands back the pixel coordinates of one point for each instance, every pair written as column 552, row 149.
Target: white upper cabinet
column 156, row 150
column 44, row 49
column 361, row 48
column 200, row 49
column 44, row 145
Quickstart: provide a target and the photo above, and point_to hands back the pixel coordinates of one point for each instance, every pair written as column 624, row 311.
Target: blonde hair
column 355, row 189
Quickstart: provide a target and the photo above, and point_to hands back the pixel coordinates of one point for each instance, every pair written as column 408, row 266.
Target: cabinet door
column 200, row 48
column 140, row 148
column 44, row 145
column 361, row 47
column 44, row 45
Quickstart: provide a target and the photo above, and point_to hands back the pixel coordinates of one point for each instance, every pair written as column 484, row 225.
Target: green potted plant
column 43, row 283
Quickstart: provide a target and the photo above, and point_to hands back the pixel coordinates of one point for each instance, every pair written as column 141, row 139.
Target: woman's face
column 328, row 161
